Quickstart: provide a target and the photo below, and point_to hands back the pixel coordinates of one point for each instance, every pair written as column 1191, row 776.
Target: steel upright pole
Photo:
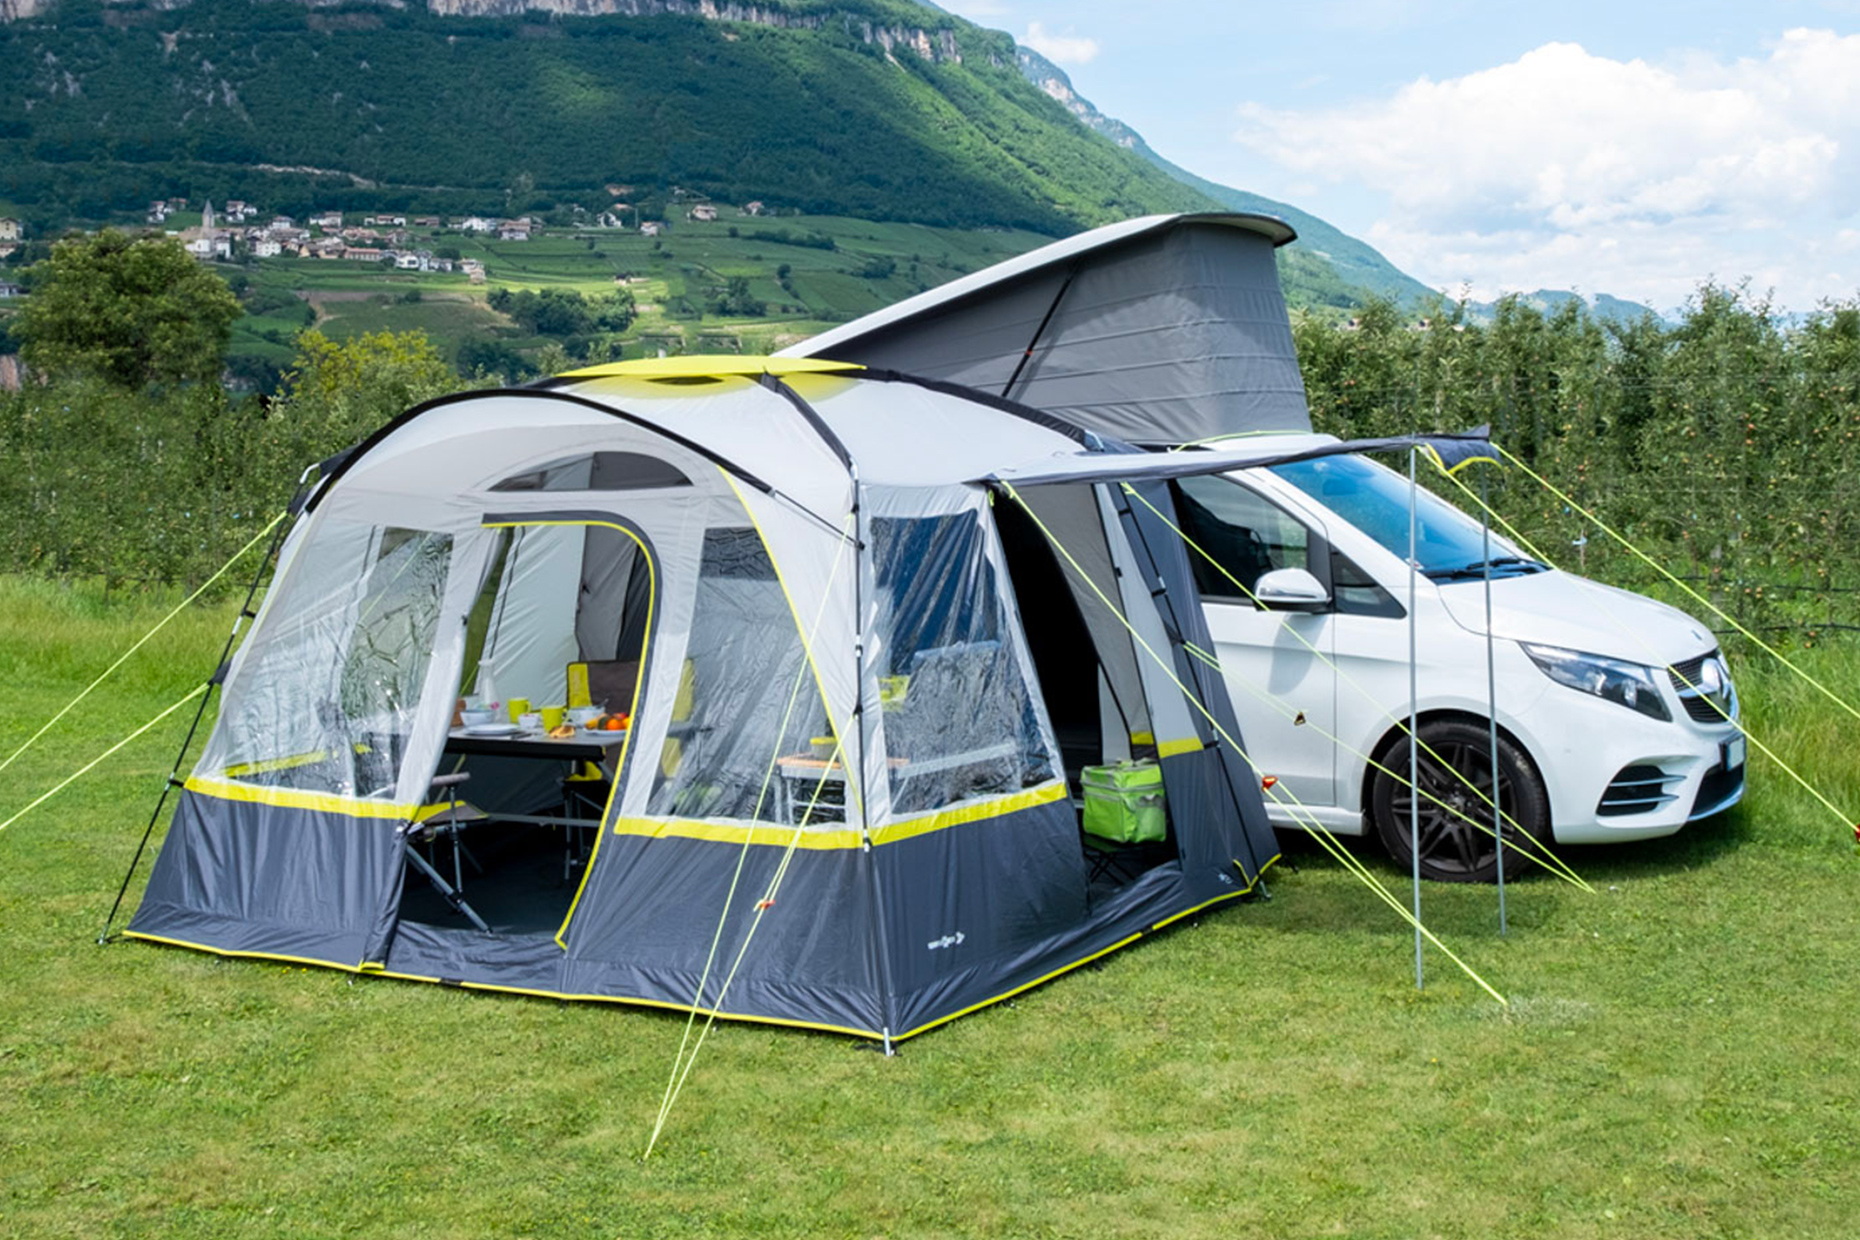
column 1414, row 734
column 1491, row 688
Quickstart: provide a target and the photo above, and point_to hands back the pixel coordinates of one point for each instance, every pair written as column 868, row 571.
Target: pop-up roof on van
column 1160, row 330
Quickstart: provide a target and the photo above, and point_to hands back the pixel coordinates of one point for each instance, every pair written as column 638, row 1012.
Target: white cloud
column 1061, row 49
column 1628, row 177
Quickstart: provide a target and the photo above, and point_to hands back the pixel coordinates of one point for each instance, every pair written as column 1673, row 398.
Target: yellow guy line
column 762, row 906
column 755, row 815
column 1845, row 820
column 1664, row 572
column 124, row 657
column 1543, row 856
column 69, row 779
column 1356, row 867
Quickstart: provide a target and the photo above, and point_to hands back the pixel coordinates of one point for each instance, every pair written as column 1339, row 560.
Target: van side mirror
column 1291, row 589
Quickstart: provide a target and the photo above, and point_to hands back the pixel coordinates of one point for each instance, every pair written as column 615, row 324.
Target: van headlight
column 1629, row 684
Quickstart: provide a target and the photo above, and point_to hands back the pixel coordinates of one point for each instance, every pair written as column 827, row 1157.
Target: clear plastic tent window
column 960, row 721
column 746, row 699
column 326, row 698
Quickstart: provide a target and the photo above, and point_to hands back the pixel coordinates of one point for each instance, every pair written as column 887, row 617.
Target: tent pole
column 882, row 941
column 173, row 781
column 1491, row 686
column 1027, row 353
column 1414, row 734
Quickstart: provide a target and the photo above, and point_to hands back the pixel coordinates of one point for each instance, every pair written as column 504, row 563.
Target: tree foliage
column 1724, row 445
column 129, row 310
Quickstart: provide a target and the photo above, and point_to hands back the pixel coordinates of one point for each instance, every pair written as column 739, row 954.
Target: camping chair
column 448, row 817
column 1108, row 859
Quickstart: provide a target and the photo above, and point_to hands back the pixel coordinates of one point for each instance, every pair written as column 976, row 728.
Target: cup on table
column 519, row 707
column 552, row 717
column 530, row 721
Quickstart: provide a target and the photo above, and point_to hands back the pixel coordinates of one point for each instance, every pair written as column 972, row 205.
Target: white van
column 1599, row 741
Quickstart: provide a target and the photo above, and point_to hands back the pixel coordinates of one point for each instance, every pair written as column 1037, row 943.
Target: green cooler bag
column 1124, row 803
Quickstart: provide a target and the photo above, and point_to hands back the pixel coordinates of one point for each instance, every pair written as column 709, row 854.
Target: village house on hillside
column 651, row 228
column 514, row 230
column 477, row 224
column 753, row 208
column 326, row 220
column 10, row 290
column 10, row 230
column 703, row 211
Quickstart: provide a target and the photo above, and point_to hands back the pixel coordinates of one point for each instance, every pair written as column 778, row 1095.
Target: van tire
column 1452, row 849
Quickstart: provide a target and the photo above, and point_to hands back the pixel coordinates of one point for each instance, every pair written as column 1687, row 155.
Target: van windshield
column 1374, row 499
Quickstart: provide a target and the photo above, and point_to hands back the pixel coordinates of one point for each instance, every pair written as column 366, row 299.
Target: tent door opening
column 562, row 619
column 1086, row 672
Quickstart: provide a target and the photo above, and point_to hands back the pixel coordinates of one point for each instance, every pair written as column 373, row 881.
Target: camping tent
column 862, row 686
column 1162, row 330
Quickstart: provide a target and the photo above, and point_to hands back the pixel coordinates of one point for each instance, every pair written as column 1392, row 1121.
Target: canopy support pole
column 1414, row 723
column 1027, row 354
column 1491, row 688
column 219, row 675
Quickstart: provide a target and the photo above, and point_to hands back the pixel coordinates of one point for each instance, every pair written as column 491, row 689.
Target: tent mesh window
column 598, row 471
column 960, row 723
column 327, row 697
column 746, row 693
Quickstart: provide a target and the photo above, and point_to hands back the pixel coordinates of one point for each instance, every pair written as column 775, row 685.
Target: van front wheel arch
column 1456, row 833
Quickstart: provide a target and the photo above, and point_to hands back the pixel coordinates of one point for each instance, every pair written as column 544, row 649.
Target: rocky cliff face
column 930, row 44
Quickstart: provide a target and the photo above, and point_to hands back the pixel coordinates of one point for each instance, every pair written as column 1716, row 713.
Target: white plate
column 493, row 729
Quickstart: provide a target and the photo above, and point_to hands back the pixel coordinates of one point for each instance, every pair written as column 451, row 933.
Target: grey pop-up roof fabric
column 1159, row 331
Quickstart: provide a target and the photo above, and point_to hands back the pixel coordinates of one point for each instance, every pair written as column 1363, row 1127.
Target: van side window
column 1355, row 593
column 1247, row 535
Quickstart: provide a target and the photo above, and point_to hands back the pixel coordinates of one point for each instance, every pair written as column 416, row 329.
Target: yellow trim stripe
column 1186, row 744
column 710, row 366
column 1067, row 968
column 775, row 836
column 293, row 798
column 652, row 595
column 374, row 969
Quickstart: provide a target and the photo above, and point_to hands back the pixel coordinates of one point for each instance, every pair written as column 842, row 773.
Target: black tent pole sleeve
column 200, row 712
column 1027, row 354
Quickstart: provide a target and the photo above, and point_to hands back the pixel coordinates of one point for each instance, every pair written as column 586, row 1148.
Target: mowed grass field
column 1680, row 1057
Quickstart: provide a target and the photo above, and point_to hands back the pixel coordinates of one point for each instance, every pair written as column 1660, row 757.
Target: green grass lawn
column 1679, row 1057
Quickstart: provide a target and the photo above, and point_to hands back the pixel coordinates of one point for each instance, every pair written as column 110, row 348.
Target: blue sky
column 1627, row 148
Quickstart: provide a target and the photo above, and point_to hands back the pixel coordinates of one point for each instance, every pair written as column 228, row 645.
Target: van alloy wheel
column 1457, row 844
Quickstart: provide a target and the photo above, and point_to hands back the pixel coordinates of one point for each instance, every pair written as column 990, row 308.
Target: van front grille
column 1700, row 706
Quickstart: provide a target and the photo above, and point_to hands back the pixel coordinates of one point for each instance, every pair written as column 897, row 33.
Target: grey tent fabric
column 1159, row 331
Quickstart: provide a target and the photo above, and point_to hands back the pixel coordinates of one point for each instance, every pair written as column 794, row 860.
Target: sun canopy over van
column 1162, row 330
column 860, row 691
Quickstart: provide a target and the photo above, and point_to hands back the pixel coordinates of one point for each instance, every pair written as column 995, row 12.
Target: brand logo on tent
column 948, row 940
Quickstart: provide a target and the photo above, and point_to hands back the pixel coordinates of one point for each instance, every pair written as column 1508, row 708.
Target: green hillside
column 110, row 107
column 802, row 273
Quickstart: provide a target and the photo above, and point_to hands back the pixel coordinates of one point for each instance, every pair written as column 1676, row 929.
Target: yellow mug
column 519, row 707
column 552, row 717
